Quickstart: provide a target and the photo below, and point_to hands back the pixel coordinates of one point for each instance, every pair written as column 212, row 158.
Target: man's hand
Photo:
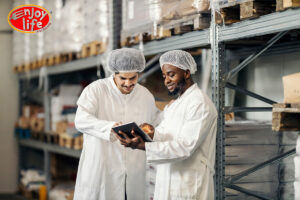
column 117, row 124
column 148, row 128
column 135, row 143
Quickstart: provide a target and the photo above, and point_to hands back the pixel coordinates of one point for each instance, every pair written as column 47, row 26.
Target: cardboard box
column 291, row 88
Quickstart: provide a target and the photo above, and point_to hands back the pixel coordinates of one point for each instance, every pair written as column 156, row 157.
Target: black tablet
column 126, row 128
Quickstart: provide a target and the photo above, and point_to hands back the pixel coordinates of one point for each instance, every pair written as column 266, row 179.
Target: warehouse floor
column 11, row 197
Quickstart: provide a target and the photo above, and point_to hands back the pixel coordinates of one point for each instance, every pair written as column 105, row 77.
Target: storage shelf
column 267, row 24
column 72, row 66
column 52, row 148
column 184, row 41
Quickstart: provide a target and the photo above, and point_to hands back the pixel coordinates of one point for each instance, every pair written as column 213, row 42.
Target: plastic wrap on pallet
column 218, row 4
column 37, row 39
column 177, row 9
column 137, row 17
column 144, row 16
column 184, row 12
column 52, row 35
column 20, row 52
column 96, row 20
column 21, row 42
column 71, row 27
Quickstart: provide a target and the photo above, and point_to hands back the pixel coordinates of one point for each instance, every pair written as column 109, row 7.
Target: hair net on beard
column 126, row 60
column 180, row 59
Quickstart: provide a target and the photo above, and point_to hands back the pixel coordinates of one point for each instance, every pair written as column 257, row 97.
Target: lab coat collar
column 126, row 96
column 185, row 94
column 188, row 91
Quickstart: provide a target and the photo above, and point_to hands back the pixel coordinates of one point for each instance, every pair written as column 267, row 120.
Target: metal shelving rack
column 45, row 73
column 215, row 37
column 278, row 23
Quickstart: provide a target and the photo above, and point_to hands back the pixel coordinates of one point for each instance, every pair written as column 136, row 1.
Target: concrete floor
column 11, row 197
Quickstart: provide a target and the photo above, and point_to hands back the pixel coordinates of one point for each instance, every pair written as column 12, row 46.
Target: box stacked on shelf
column 52, row 34
column 32, row 120
column 96, row 25
column 74, row 27
column 63, row 108
column 155, row 19
column 31, row 181
column 71, row 27
column 21, row 42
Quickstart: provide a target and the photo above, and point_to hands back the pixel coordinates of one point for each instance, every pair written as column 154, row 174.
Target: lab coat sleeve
column 159, row 129
column 156, row 115
column 86, row 120
column 196, row 127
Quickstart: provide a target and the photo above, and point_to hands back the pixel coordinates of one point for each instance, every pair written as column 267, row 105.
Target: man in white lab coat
column 184, row 142
column 107, row 170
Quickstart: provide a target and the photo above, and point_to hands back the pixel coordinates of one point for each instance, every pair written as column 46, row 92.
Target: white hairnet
column 126, row 60
column 180, row 59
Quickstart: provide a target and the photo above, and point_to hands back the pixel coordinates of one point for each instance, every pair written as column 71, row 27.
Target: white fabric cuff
column 157, row 136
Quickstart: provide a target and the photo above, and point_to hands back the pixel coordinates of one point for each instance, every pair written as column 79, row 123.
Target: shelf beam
column 253, row 56
column 184, row 41
column 249, row 192
column 76, row 65
column 229, row 109
column 267, row 24
column 50, row 148
column 251, row 94
column 274, row 160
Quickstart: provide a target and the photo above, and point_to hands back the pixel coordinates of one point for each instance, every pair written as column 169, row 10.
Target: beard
column 178, row 90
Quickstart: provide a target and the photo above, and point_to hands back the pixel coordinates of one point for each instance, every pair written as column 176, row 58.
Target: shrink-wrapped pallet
column 72, row 26
column 36, row 39
column 148, row 16
column 96, row 20
column 52, row 36
column 21, row 42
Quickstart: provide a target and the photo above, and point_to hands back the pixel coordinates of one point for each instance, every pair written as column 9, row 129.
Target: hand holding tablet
column 127, row 129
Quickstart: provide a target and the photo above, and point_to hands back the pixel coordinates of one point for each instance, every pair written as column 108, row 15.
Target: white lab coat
column 105, row 165
column 184, row 148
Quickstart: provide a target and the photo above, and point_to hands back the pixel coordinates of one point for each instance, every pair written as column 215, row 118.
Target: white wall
column 264, row 77
column 8, row 106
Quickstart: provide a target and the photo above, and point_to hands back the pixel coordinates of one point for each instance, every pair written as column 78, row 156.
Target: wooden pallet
column 28, row 194
column 168, row 29
column 286, row 117
column 50, row 138
column 247, row 10
column 137, row 38
column 228, row 15
column 286, row 4
column 71, row 142
column 27, row 67
column 92, row 49
column 191, row 23
column 36, row 64
column 52, row 60
column 68, row 57
column 256, row 8
column 37, row 124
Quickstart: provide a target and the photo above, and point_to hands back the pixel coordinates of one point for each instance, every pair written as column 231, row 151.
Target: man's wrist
column 141, row 146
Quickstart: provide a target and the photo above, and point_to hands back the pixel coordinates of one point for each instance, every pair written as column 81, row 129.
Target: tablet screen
column 126, row 128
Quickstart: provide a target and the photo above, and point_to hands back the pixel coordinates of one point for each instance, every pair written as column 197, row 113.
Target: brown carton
column 291, row 88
